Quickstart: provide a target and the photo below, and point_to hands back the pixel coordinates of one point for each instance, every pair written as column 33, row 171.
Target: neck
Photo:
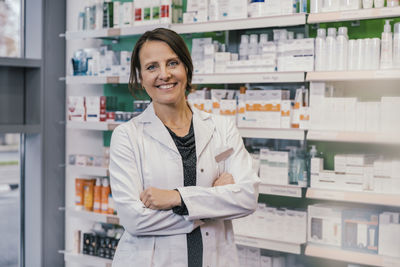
column 174, row 115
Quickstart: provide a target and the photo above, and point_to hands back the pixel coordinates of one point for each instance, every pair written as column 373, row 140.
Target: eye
column 173, row 63
column 150, row 67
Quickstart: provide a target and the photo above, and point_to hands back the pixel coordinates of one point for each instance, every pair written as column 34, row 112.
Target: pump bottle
column 341, row 49
column 386, row 46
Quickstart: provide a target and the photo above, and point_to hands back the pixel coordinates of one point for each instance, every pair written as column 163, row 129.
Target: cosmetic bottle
column 341, row 48
column 331, row 49
column 253, row 45
column 396, row 46
column 244, row 47
column 320, row 47
column 97, row 196
column 379, row 3
column 386, row 46
column 263, row 41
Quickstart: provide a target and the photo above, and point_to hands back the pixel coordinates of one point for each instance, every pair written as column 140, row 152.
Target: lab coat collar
column 153, row 126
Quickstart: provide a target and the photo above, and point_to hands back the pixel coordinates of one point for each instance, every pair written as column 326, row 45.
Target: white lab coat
column 143, row 154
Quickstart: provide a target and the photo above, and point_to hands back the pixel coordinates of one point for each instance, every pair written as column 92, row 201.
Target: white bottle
column 379, row 3
column 341, row 48
column 386, row 46
column 376, row 51
column 331, row 49
column 244, row 47
column 263, row 42
column 396, row 46
column 352, row 55
column 367, row 3
column 392, row 3
column 253, row 45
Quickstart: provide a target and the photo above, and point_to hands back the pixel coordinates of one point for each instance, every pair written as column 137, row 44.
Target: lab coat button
column 202, row 170
column 206, row 233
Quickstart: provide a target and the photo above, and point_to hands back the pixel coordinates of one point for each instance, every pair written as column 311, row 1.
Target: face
column 162, row 73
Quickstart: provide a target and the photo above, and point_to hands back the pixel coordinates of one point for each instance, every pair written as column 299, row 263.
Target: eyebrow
column 155, row 62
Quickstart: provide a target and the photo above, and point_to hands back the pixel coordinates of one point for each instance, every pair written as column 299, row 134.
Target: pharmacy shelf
column 209, row 26
column 87, row 260
column 260, row 77
column 96, row 79
column 287, row 134
column 355, row 197
column 113, row 32
column 92, row 216
column 96, row 126
column 88, row 170
column 20, row 62
column 320, row 76
column 361, row 14
column 354, row 137
column 239, row 24
column 338, row 254
column 281, row 190
column 213, row 78
column 275, row 245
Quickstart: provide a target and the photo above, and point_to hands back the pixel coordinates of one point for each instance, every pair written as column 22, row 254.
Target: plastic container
column 320, row 47
column 376, row 52
column 331, row 55
column 97, row 196
column 367, row 3
column 352, row 55
column 387, row 46
column 256, row 8
column 244, row 47
column 316, row 6
column 396, row 45
column 392, row 3
column 379, row 3
column 253, row 45
column 341, row 49
column 105, row 191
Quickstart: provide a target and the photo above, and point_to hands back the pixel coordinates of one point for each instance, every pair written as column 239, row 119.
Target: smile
column 166, row 86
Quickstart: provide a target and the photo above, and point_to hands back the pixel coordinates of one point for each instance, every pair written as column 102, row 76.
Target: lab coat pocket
column 134, row 251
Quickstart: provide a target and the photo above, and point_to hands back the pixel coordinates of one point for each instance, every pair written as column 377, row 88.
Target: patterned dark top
column 187, row 148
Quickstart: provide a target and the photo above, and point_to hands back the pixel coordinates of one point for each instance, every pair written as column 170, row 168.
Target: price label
column 270, row 78
column 114, row 32
column 112, row 220
column 113, row 79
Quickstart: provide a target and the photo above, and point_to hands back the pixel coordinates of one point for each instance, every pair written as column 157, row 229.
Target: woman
column 174, row 199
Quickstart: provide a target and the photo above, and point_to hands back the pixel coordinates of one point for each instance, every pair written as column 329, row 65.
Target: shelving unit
column 97, row 126
column 88, row 170
column 92, row 216
column 361, row 14
column 231, row 78
column 288, row 134
column 354, row 137
column 240, row 24
column 20, row 62
column 214, row 78
column 87, row 260
column 224, row 25
column 321, row 76
column 350, row 256
column 275, row 245
column 281, row 190
column 354, row 197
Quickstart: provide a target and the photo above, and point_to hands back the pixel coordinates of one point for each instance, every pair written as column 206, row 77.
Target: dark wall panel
column 11, row 95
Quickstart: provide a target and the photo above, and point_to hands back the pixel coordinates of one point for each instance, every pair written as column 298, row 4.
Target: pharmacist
column 178, row 175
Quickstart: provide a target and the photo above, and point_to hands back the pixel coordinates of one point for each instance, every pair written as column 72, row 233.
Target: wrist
column 177, row 198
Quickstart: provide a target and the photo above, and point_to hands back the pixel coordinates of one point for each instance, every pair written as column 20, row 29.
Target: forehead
column 154, row 51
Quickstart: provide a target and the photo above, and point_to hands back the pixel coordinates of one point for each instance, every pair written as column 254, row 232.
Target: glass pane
column 10, row 28
column 9, row 200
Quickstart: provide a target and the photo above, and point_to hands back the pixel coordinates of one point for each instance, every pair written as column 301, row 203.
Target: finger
column 142, row 195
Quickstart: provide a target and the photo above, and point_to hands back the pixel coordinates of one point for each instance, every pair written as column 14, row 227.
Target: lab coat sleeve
column 228, row 201
column 126, row 186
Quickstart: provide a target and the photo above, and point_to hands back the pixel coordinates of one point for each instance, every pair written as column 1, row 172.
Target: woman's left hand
column 160, row 199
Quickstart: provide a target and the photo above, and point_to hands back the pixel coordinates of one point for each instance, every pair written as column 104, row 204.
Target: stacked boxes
column 389, row 234
column 98, row 245
column 274, row 167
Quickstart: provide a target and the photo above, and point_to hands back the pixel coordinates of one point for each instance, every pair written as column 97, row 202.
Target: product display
column 274, row 224
column 256, row 54
column 351, row 114
column 332, row 108
column 88, row 192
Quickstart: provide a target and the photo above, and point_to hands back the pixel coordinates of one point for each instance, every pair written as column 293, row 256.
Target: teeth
column 166, row 86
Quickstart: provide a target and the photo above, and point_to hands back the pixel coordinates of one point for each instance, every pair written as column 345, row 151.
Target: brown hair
column 175, row 42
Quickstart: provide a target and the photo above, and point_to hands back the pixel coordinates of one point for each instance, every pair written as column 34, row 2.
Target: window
column 10, row 28
column 9, row 200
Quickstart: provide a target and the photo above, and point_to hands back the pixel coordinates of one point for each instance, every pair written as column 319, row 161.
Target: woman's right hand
column 224, row 179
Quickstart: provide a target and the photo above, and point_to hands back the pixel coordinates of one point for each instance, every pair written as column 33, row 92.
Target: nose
column 164, row 73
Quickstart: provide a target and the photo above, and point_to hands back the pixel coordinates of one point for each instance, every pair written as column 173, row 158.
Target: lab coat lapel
column 203, row 130
column 154, row 127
